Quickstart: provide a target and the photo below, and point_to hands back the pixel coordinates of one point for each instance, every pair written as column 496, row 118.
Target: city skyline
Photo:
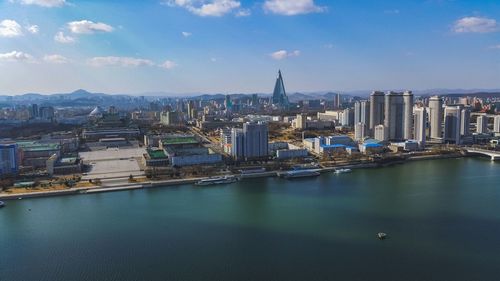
column 198, row 46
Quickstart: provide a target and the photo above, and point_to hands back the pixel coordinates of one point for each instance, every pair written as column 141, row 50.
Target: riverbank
column 175, row 182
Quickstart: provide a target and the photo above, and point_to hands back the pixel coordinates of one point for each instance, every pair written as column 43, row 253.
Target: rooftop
column 156, row 154
column 372, row 145
column 69, row 160
column 332, row 145
column 180, row 140
column 34, row 146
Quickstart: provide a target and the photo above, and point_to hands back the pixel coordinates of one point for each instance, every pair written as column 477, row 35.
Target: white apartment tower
column 419, row 124
column 359, row 131
column 482, row 124
column 496, row 124
column 435, row 117
column 380, row 133
column 408, row 115
column 464, row 126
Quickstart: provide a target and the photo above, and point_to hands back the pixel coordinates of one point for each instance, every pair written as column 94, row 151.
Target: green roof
column 33, row 146
column 180, row 140
column 156, row 154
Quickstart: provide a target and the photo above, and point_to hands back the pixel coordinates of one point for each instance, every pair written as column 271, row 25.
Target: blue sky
column 228, row 46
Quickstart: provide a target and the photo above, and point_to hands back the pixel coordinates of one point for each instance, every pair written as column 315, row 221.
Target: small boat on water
column 300, row 174
column 2, row 204
column 342, row 171
column 381, row 235
column 217, row 180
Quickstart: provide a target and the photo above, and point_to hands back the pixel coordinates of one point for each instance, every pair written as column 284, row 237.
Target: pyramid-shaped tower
column 279, row 95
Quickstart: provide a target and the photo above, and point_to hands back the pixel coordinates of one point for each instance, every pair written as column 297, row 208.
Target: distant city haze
column 237, row 46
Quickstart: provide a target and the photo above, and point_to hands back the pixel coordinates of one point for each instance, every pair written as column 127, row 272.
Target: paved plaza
column 112, row 162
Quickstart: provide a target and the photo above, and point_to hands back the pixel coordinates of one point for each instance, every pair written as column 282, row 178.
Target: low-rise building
column 332, row 149
column 282, row 154
column 34, row 154
column 57, row 165
column 185, row 150
column 100, row 133
column 155, row 157
column 409, row 145
column 371, row 148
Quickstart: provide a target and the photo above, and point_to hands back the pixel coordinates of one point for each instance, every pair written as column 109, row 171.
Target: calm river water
column 442, row 216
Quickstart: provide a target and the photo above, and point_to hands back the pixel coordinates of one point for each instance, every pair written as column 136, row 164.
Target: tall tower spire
column 279, row 94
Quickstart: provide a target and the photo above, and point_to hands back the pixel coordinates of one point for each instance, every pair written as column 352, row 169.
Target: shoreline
column 177, row 182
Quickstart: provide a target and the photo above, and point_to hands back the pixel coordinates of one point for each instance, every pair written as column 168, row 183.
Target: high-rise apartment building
column 482, row 124
column 301, row 121
column 46, row 113
column 380, row 133
column 169, row 118
column 191, row 110
column 237, row 144
column 377, row 103
column 9, row 162
column 408, row 115
column 250, row 142
column 360, row 131
column 419, row 125
column 435, row 117
column 362, row 112
column 452, row 122
column 496, row 124
column 394, row 115
column 348, row 117
column 256, row 138
column 465, row 125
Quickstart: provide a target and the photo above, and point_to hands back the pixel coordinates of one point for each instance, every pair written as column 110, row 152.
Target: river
column 442, row 218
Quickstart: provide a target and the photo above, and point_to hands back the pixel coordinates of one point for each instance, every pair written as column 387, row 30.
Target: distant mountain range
column 82, row 97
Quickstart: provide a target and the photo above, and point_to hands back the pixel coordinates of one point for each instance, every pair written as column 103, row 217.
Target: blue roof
column 332, row 145
column 372, row 145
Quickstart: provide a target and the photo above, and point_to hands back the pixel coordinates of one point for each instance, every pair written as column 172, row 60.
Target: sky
column 237, row 46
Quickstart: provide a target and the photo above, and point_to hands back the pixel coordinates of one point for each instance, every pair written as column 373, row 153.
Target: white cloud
column 206, row 8
column 58, row 59
column 42, row 3
column 10, row 28
column 33, row 29
column 186, row 34
column 213, row 59
column 61, row 38
column 16, row 56
column 243, row 13
column 292, row 7
column 329, row 46
column 168, row 64
column 495, row 47
column 283, row 54
column 119, row 61
column 88, row 27
column 475, row 25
